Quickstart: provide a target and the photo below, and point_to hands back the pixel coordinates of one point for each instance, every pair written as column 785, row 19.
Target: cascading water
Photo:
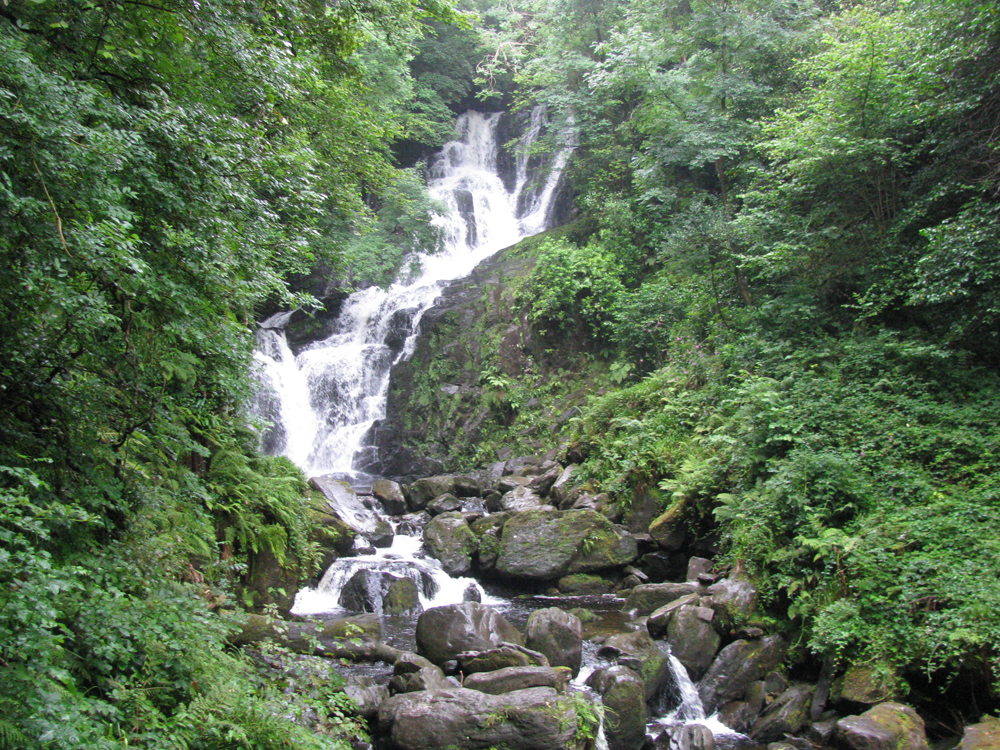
column 323, row 401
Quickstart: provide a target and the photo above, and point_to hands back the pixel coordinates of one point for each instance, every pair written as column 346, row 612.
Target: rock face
column 449, row 539
column 532, row 719
column 544, row 545
column 344, row 504
column 558, row 635
column 887, row 726
column 445, row 632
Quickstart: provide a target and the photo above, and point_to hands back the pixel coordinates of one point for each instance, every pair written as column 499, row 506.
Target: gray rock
column 787, row 715
column 558, row 635
column 422, row 491
column 520, row 499
column 543, row 483
column 561, row 487
column 698, row 566
column 639, row 652
column 402, row 598
column 693, row 639
column 367, row 694
column 692, row 737
column 444, row 632
column 505, row 656
column 732, row 599
column 982, row 736
column 366, row 590
column 518, row 678
column 887, row 726
column 446, row 503
column 532, row 719
column 390, row 495
column 545, row 545
column 622, row 692
column 658, row 621
column 737, row 666
column 343, row 503
column 449, row 540
column 649, row 597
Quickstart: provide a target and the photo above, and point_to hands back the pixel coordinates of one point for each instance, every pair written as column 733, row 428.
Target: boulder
column 543, row 483
column 740, row 715
column 698, row 566
column 982, row 736
column 669, row 530
column 785, row 716
column 545, row 545
column 449, row 540
column 733, row 599
column 390, row 496
column 509, row 679
column 862, row 683
column 366, row 591
column 622, row 692
column 426, row 677
column 693, row 639
column 446, row 503
column 561, row 487
column 737, row 666
column 887, row 726
column 343, row 502
column 658, row 621
column 558, row 635
column 639, row 652
column 402, row 598
column 532, row 719
column 422, row 491
column 648, row 597
column 445, row 632
column 520, row 499
column 487, row 531
column 367, row 694
column 584, row 584
column 503, row 657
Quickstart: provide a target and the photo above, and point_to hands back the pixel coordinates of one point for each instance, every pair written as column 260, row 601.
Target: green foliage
column 571, row 290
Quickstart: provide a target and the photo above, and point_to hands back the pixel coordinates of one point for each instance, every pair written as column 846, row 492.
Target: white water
column 690, row 710
column 434, row 586
column 329, row 396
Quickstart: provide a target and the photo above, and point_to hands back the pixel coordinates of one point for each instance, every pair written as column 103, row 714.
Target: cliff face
column 439, row 403
column 482, row 384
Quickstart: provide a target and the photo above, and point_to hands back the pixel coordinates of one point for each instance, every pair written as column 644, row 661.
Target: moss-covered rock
column 887, row 726
column 545, row 545
column 449, row 539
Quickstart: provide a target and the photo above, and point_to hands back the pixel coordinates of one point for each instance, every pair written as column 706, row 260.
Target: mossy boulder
column 445, row 632
column 584, row 584
column 622, row 693
column 544, row 545
column 887, row 726
column 982, row 736
column 558, row 635
column 449, row 540
column 647, row 598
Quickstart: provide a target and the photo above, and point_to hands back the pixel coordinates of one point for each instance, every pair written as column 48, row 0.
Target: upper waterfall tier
column 322, row 402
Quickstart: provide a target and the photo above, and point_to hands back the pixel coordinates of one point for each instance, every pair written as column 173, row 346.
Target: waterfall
column 323, row 402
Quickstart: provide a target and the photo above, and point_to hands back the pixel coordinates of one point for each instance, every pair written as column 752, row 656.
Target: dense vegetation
column 785, row 259
column 788, row 258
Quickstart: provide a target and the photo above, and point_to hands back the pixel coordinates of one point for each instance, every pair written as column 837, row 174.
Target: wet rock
column 698, row 566
column 367, row 625
column 449, row 540
column 444, row 632
column 390, row 496
column 584, row 584
column 740, row 715
column 367, row 694
column 733, row 599
column 887, row 726
column 532, row 719
column 862, row 683
column 737, row 666
column 446, row 503
column 558, row 635
column 343, row 502
column 982, row 736
column 775, row 683
column 412, row 524
column 692, row 737
column 428, row 677
column 543, row 483
column 693, row 639
column 510, row 483
column 648, row 597
column 786, row 716
column 640, row 653
column 422, row 491
column 509, row 679
column 506, row 656
column 520, row 499
column 402, row 598
column 622, row 692
column 472, row 593
column 561, row 487
column 366, row 591
column 669, row 530
column 545, row 545
column 658, row 621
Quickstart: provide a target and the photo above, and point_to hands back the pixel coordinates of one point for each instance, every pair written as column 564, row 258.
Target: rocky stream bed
column 566, row 630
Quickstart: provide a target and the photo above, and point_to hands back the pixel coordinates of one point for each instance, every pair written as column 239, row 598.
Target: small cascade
column 322, row 402
column 686, row 706
column 434, row 587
